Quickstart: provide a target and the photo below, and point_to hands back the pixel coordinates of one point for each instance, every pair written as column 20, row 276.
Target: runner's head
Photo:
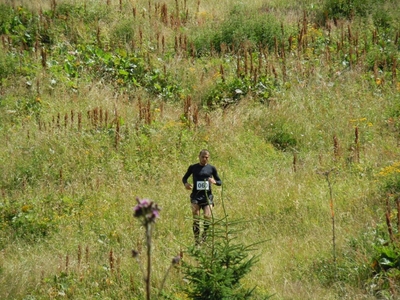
column 204, row 157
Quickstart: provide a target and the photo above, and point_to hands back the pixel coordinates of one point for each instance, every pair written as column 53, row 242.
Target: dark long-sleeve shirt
column 200, row 179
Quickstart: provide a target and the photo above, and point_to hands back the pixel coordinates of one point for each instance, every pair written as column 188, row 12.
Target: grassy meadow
column 298, row 103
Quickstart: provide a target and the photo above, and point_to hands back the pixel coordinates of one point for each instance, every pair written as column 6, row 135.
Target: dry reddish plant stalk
column 117, row 133
column 87, row 254
column 79, row 255
column 398, row 214
column 72, row 118
column 111, row 260
column 67, row 264
column 79, row 121
column 66, row 120
column 336, row 147
column 356, row 145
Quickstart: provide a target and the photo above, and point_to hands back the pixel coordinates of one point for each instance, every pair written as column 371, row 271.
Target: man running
column 204, row 175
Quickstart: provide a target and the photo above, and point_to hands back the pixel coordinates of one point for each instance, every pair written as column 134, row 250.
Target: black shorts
column 202, row 200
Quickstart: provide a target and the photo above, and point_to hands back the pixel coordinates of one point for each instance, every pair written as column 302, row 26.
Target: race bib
column 202, row 185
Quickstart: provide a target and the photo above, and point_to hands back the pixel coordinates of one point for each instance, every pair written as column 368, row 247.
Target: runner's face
column 203, row 157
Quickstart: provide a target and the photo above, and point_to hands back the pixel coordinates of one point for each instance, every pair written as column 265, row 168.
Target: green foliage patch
column 242, row 26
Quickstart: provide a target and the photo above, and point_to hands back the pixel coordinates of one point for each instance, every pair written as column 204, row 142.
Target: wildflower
column 135, row 253
column 26, row 208
column 176, row 260
column 147, row 210
column 238, row 91
column 217, row 75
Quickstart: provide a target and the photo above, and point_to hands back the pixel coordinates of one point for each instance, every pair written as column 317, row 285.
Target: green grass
column 105, row 121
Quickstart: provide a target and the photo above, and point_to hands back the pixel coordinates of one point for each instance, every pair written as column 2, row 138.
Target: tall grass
column 111, row 101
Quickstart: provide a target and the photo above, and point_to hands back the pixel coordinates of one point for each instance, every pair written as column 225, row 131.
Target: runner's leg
column 196, row 222
column 207, row 221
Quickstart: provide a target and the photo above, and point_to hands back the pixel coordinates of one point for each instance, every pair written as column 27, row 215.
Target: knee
column 207, row 217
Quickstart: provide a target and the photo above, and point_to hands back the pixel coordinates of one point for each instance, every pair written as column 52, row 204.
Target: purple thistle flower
column 147, row 210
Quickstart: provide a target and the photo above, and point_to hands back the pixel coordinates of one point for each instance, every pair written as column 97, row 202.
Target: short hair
column 203, row 151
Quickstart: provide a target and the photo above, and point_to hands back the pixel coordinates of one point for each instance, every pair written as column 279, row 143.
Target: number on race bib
column 203, row 185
